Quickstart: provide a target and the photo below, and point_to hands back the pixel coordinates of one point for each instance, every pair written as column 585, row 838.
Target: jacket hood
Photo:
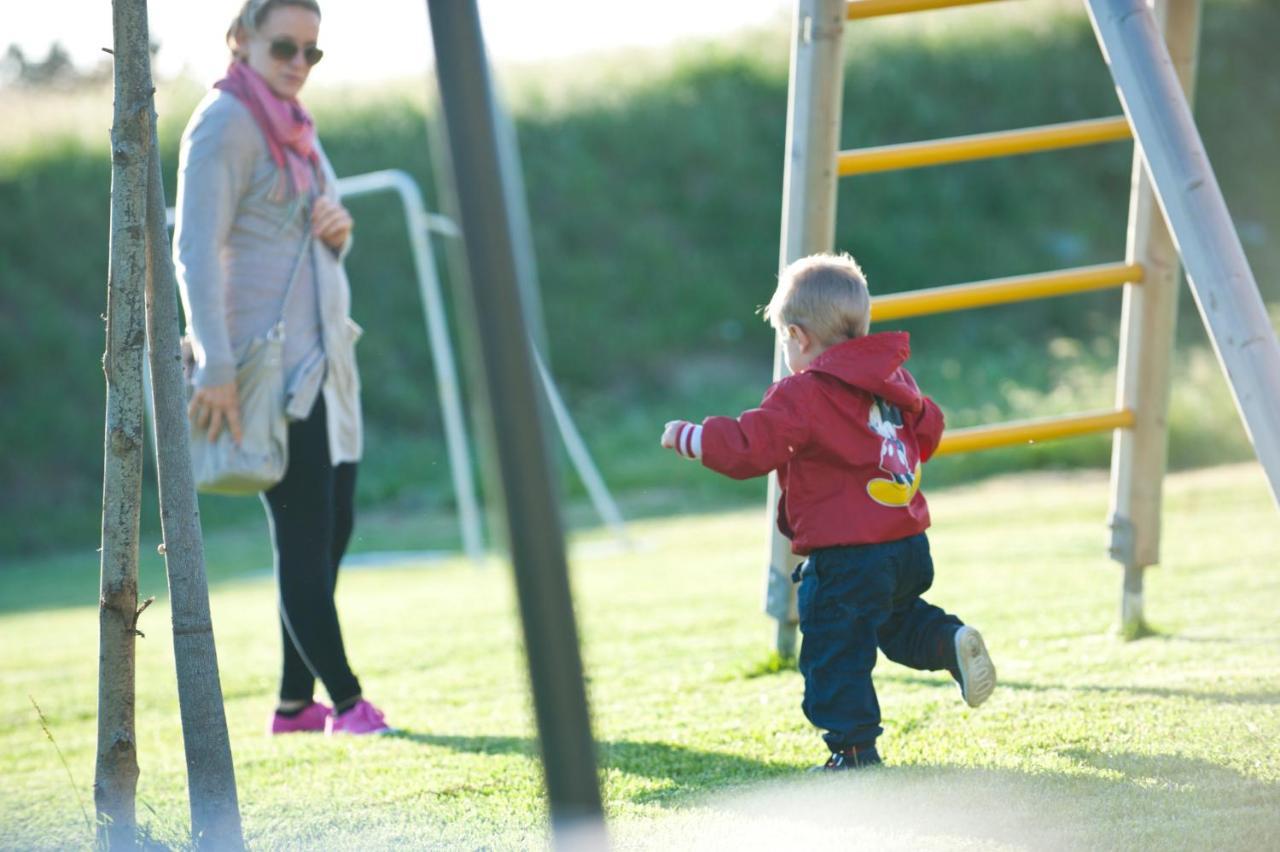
column 874, row 364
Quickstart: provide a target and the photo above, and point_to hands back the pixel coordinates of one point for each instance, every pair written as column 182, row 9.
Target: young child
column 847, row 433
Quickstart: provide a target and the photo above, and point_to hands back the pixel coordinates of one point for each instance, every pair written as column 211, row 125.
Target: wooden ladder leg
column 808, row 222
column 1148, row 325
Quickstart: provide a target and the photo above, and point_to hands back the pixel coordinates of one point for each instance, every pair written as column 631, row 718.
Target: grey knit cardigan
column 235, row 248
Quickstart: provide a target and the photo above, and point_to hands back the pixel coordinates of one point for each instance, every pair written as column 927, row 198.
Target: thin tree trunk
column 116, row 775
column 211, row 778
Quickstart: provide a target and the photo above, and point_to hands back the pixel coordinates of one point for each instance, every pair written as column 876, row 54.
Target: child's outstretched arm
column 753, row 444
column 683, row 437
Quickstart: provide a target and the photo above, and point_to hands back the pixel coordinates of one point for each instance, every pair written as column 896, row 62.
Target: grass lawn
column 1090, row 742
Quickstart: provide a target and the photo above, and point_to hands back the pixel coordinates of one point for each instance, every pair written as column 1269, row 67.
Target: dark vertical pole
column 532, row 511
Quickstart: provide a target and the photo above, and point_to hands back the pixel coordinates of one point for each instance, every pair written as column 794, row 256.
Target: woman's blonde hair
column 251, row 16
column 826, row 295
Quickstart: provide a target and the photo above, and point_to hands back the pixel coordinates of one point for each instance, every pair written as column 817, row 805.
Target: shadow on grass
column 1168, row 770
column 1106, row 799
column 1261, row 697
column 690, row 771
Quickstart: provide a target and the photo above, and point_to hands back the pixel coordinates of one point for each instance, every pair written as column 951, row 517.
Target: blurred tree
column 56, row 69
column 11, row 65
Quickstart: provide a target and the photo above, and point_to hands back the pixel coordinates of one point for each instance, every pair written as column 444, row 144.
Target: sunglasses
column 285, row 49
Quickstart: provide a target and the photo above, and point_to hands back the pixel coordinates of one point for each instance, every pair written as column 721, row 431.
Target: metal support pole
column 579, row 456
column 521, row 229
column 808, row 225
column 1184, row 183
column 460, row 279
column 532, row 509
column 1148, row 324
column 419, row 223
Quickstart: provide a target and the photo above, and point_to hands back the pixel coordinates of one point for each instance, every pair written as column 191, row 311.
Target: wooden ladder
column 1154, row 77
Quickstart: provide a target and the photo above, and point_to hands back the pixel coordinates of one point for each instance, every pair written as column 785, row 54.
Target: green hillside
column 654, row 183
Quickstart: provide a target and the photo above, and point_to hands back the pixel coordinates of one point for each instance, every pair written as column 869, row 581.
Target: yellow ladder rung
column 999, row 291
column 875, row 8
column 1030, row 431
column 980, row 146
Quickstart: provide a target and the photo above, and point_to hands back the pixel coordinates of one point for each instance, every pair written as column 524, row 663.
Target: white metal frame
column 421, row 224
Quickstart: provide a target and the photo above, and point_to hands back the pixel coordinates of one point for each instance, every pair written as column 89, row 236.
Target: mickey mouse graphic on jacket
column 903, row 476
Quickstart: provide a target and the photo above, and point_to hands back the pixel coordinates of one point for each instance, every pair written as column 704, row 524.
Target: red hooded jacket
column 847, row 437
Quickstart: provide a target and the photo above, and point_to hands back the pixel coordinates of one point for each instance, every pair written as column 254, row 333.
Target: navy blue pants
column 311, row 513
column 853, row 600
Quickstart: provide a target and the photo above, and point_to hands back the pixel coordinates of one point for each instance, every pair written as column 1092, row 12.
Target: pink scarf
column 287, row 126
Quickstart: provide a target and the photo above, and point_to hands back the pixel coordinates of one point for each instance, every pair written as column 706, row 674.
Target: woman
column 261, row 235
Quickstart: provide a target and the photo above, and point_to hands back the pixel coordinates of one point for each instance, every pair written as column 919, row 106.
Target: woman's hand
column 212, row 407
column 331, row 222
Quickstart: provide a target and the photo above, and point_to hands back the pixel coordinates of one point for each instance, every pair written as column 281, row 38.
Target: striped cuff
column 689, row 441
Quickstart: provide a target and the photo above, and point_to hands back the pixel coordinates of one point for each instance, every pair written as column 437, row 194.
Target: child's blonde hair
column 826, row 295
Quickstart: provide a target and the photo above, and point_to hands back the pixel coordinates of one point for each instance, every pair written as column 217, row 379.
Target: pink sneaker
column 363, row 718
column 313, row 718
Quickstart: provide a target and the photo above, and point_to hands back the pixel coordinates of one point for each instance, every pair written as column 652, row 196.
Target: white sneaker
column 977, row 672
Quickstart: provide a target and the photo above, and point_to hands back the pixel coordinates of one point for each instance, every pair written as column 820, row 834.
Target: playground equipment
column 1154, row 78
column 421, row 225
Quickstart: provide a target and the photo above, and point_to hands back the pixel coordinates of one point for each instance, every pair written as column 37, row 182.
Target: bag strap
column 297, row 265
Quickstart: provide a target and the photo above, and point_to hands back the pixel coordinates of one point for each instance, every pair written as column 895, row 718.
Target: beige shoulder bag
column 258, row 462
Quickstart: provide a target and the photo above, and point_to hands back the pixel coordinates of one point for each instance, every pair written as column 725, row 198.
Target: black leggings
column 311, row 513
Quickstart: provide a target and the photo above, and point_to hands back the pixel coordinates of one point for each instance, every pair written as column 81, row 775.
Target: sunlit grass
column 1089, row 742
